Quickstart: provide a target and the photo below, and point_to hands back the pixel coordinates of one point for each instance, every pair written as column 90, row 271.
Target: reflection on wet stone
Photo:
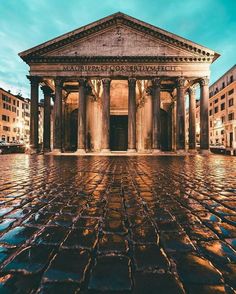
column 30, row 260
column 119, row 224
column 17, row 236
column 151, row 283
column 84, row 238
column 67, row 265
column 111, row 273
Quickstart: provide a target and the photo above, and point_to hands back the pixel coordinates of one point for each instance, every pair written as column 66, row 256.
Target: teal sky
column 26, row 23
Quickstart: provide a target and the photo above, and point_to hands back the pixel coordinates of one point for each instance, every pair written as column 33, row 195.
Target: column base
column 192, row 151
column 32, row 150
column 181, row 151
column 80, row 151
column 156, row 151
column 46, row 150
column 56, row 151
column 205, row 151
column 131, row 150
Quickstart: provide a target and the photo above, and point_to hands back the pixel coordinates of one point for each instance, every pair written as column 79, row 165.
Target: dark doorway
column 119, row 132
column 231, row 139
column 73, row 129
column 165, row 134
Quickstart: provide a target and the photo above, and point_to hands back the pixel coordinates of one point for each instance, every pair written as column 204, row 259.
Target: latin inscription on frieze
column 120, row 68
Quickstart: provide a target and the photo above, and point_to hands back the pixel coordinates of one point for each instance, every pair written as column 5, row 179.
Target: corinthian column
column 106, row 115
column 180, row 115
column 34, row 120
column 156, row 115
column 204, row 116
column 47, row 92
column 81, row 145
column 192, row 119
column 132, row 115
column 57, row 132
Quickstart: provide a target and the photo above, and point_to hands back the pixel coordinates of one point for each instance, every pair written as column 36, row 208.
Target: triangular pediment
column 118, row 35
column 119, row 41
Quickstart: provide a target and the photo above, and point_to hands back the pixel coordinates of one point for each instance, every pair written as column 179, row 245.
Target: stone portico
column 119, row 84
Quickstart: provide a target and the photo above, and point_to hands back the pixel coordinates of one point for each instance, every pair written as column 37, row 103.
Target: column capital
column 132, row 80
column 106, row 81
column 82, row 82
column 204, row 81
column 191, row 90
column 156, row 82
column 58, row 82
column 180, row 82
column 34, row 80
column 46, row 90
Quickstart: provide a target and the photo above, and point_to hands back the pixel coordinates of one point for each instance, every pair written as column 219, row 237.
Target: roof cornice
column 113, row 20
column 117, row 59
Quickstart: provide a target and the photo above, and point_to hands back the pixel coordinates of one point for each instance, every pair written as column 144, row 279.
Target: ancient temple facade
column 119, row 84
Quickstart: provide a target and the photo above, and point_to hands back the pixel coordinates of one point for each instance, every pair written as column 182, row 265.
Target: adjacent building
column 15, row 118
column 222, row 110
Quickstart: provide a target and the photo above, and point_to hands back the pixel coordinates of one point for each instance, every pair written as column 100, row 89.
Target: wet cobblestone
column 117, row 224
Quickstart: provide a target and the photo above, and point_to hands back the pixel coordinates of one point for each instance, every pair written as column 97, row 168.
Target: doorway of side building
column 119, row 132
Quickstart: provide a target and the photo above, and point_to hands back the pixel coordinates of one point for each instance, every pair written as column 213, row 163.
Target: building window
column 5, row 128
column 231, row 116
column 211, row 123
column 223, row 119
column 222, row 106
column 222, row 97
column 216, row 133
column 231, row 79
column 222, row 132
column 231, row 102
column 210, row 112
column 18, row 104
column 6, row 98
column 216, row 109
column 216, row 101
column 223, row 85
column 5, row 118
column 231, row 91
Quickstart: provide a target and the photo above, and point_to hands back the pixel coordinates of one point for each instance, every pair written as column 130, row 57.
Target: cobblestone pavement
column 125, row 224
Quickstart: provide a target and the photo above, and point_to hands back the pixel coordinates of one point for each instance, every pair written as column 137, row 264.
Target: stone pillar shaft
column 192, row 118
column 132, row 115
column 47, row 119
column 180, row 115
column 81, row 145
column 156, row 114
column 106, row 115
column 204, row 114
column 57, row 134
column 34, row 119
